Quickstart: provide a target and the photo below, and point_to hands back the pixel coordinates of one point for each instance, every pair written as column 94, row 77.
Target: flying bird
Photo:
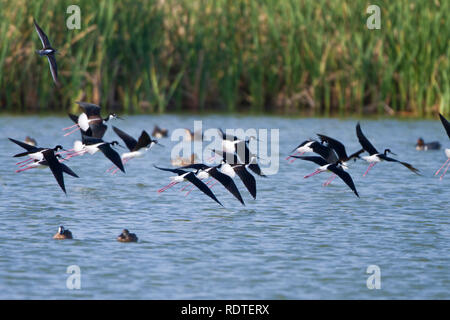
column 375, row 156
column 47, row 51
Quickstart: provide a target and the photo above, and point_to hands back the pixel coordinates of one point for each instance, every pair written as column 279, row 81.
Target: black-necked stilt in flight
column 47, row 51
column 422, row 146
column 335, row 168
column 51, row 160
column 183, row 175
column 126, row 236
column 375, row 156
column 63, row 234
column 159, row 133
column 231, row 166
column 247, row 157
column 30, row 141
column 446, row 125
column 92, row 145
column 137, row 148
column 34, row 153
column 204, row 171
column 90, row 120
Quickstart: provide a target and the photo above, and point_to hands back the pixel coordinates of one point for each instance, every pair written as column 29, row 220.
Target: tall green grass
column 313, row 57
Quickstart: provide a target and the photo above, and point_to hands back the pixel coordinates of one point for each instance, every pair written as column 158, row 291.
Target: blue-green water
column 297, row 240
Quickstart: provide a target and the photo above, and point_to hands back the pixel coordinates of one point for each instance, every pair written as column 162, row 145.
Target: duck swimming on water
column 422, row 146
column 126, row 236
column 63, row 234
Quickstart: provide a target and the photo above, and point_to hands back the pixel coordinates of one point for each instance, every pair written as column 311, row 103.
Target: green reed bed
column 314, row 57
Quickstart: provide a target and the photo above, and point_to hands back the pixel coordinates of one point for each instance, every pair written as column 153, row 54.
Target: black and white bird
column 446, row 125
column 421, row 145
column 375, row 156
column 48, row 51
column 137, row 148
column 183, row 175
column 333, row 167
column 204, row 171
column 50, row 160
column 92, row 145
column 34, row 153
column 90, row 121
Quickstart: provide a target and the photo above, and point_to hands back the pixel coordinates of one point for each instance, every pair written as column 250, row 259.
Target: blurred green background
column 291, row 57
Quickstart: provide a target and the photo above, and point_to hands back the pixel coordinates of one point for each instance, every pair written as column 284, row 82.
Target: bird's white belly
column 78, row 146
column 83, row 121
column 228, row 170
column 372, row 158
column 447, row 153
column 202, row 175
column 227, row 146
column 36, row 156
column 92, row 149
column 131, row 155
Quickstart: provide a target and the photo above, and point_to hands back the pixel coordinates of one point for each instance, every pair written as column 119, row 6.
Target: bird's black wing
column 317, row 160
column 177, row 171
column 365, row 143
column 112, row 155
column 129, row 140
column 227, row 182
column 344, row 176
column 248, row 180
column 69, row 171
column 73, row 117
column 203, row 187
column 407, row 165
column 42, row 35
column 195, row 166
column 335, row 145
column 143, row 141
column 97, row 130
column 24, row 145
column 256, row 169
column 87, row 140
column 445, row 123
column 91, row 109
column 325, row 152
column 356, row 154
column 53, row 67
column 55, row 166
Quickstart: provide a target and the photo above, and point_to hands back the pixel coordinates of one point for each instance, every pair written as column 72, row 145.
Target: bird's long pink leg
column 209, row 181
column 69, row 133
column 368, row 169
column 26, row 163
column 27, row 160
column 442, row 176
column 313, row 174
column 296, row 153
column 296, row 158
column 74, row 154
column 437, row 172
column 329, row 180
column 213, row 184
column 190, row 190
column 167, row 187
column 24, row 169
column 75, row 125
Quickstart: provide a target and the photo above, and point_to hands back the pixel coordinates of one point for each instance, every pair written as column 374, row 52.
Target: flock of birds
column 237, row 158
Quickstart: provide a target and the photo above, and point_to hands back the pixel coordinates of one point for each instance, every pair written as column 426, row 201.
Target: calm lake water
column 297, row 240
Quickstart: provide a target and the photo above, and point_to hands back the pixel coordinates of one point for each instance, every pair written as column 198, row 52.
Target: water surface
column 297, row 240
